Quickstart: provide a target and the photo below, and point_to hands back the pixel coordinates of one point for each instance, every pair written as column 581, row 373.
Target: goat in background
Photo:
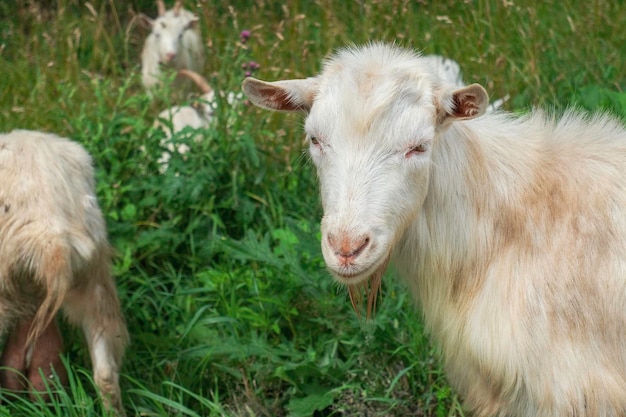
column 174, row 41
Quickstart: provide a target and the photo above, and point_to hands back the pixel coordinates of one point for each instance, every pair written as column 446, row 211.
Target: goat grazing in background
column 174, row 41
column 509, row 231
column 195, row 116
column 198, row 115
column 54, row 255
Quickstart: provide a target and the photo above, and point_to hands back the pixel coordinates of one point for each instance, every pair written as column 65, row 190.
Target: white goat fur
column 176, row 118
column 509, row 231
column 199, row 115
column 54, row 252
column 174, row 40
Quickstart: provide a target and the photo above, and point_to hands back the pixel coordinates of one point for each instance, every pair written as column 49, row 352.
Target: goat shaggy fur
column 54, row 253
column 509, row 231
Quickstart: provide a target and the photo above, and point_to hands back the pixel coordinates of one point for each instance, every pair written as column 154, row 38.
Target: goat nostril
column 346, row 248
column 363, row 244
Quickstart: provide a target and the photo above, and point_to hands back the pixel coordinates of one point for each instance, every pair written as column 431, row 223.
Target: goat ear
column 193, row 22
column 145, row 21
column 286, row 95
column 466, row 103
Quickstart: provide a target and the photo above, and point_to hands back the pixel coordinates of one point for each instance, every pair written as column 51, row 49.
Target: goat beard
column 371, row 287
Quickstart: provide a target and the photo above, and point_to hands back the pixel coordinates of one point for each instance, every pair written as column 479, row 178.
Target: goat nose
column 346, row 249
column 170, row 56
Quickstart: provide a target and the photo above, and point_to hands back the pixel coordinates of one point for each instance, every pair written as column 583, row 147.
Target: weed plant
column 229, row 307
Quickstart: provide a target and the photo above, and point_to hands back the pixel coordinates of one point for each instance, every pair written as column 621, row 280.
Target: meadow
column 218, row 264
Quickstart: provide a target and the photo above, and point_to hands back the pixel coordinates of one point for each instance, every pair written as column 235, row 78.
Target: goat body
column 174, row 40
column 198, row 115
column 176, row 118
column 54, row 255
column 509, row 231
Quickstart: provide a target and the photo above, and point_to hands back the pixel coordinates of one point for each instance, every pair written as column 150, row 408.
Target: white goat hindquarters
column 54, row 252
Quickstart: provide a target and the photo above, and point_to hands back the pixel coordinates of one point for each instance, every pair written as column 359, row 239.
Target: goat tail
column 55, row 275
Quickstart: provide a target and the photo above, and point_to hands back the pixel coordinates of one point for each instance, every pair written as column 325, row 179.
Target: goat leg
column 25, row 368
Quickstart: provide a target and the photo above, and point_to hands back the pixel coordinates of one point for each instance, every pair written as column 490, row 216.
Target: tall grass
column 230, row 309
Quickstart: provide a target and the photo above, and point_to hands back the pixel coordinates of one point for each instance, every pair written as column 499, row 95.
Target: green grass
column 219, row 270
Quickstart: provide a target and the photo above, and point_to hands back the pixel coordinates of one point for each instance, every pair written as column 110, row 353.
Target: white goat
column 509, row 231
column 198, row 115
column 174, row 41
column 54, row 255
column 450, row 72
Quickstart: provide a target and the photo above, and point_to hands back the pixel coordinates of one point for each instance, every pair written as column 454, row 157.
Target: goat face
column 169, row 31
column 373, row 116
column 372, row 154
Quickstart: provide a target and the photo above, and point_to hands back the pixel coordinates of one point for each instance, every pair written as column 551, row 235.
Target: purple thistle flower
column 253, row 65
column 244, row 36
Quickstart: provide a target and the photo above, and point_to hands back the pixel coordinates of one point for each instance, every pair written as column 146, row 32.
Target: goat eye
column 314, row 140
column 417, row 150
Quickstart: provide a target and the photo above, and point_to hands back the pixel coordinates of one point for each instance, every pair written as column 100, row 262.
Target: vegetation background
column 219, row 270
